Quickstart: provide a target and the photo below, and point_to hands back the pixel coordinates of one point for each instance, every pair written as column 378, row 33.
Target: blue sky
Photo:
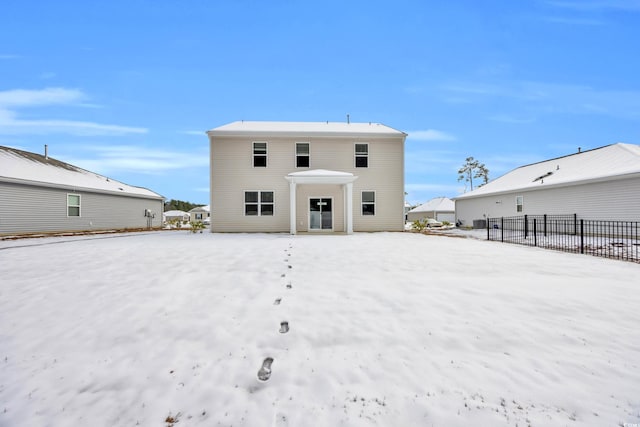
column 128, row 88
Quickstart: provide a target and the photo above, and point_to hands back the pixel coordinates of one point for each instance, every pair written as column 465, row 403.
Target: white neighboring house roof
column 205, row 208
column 24, row 167
column 175, row 213
column 302, row 129
column 610, row 162
column 438, row 204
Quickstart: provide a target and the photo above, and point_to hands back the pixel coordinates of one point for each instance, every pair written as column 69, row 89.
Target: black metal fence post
column 488, row 222
column 609, row 239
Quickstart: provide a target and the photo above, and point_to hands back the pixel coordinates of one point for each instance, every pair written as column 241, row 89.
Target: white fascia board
column 77, row 188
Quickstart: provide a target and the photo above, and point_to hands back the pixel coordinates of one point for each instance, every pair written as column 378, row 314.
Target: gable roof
column 205, row 208
column 302, row 129
column 175, row 213
column 30, row 168
column 438, row 204
column 614, row 161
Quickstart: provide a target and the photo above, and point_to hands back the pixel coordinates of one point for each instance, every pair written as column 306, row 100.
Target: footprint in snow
column 280, row 420
column 284, row 327
column 289, row 285
column 265, row 371
column 277, row 301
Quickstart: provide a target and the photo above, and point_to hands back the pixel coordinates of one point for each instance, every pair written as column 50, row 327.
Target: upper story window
column 73, row 205
column 519, row 203
column 362, row 155
column 302, row 154
column 258, row 203
column 259, row 154
column 368, row 203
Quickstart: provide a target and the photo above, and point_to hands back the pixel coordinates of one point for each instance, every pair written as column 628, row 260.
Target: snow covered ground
column 387, row 329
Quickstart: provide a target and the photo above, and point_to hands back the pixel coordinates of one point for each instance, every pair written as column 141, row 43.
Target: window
column 302, row 154
column 259, row 154
column 258, row 203
column 73, row 205
column 362, row 155
column 519, row 203
column 368, row 203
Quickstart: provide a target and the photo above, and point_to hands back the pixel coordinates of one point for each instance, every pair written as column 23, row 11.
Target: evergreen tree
column 179, row 205
column 471, row 169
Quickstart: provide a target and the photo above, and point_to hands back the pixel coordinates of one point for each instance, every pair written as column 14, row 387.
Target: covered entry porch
column 326, row 200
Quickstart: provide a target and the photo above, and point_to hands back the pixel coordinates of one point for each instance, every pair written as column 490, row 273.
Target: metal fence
column 568, row 233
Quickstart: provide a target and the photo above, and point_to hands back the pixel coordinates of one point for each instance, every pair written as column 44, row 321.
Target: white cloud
column 596, row 5
column 49, row 96
column 552, row 98
column 11, row 124
column 125, row 158
column 194, row 132
column 430, row 135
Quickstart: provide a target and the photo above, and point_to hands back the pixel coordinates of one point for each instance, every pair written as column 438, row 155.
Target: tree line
column 179, row 205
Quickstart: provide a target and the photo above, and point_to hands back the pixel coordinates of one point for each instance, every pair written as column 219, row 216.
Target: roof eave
column 547, row 186
column 79, row 188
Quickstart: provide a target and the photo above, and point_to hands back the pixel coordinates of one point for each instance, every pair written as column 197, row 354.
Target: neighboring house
column 201, row 213
column 601, row 183
column 440, row 208
column 176, row 215
column 298, row 177
column 42, row 194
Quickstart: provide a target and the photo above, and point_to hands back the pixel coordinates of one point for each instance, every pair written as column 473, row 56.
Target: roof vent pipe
column 46, row 151
column 348, row 121
column 579, row 149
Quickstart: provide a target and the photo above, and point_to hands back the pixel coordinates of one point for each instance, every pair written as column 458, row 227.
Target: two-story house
column 306, row 177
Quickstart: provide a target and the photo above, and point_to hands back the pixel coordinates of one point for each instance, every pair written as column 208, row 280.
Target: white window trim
column 73, row 206
column 253, row 154
column 520, row 203
column 355, row 155
column 259, row 203
column 362, row 202
column 302, row 155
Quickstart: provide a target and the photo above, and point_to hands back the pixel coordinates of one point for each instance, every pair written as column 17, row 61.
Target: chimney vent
column 46, row 151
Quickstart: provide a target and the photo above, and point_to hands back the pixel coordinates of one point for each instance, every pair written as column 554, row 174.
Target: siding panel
column 232, row 173
column 33, row 209
column 609, row 200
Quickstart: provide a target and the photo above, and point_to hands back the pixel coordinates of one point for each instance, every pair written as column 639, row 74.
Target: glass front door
column 320, row 215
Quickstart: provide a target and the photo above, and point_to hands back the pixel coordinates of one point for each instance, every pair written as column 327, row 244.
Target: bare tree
column 471, row 169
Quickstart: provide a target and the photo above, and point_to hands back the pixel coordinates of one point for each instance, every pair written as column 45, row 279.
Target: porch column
column 292, row 207
column 348, row 206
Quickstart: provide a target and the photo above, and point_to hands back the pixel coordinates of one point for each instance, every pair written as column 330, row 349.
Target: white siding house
column 602, row 183
column 306, row 177
column 201, row 213
column 439, row 208
column 42, row 194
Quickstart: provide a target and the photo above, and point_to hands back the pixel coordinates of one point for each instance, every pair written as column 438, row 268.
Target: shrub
column 419, row 224
column 197, row 226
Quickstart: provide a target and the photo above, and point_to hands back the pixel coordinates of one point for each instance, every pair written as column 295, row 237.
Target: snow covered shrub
column 196, row 226
column 419, row 225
